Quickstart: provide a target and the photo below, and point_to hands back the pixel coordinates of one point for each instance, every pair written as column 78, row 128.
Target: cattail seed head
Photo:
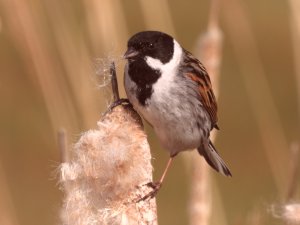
column 105, row 178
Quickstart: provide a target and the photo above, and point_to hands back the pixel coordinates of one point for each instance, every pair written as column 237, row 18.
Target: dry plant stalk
column 105, row 178
column 269, row 124
column 8, row 214
column 292, row 211
column 50, row 43
column 289, row 211
column 26, row 25
column 293, row 173
column 162, row 19
column 209, row 51
column 261, row 100
column 104, row 15
column 295, row 30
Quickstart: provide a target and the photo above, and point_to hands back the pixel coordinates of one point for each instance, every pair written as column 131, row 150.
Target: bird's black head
column 155, row 44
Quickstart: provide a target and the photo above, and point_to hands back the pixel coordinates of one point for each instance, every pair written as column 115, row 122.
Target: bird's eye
column 149, row 45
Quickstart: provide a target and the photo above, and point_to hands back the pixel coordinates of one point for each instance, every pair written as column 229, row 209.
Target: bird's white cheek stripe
column 168, row 72
column 171, row 65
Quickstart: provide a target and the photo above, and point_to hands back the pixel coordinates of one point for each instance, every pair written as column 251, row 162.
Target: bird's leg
column 157, row 185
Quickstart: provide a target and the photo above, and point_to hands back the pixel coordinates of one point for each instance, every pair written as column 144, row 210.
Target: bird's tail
column 213, row 158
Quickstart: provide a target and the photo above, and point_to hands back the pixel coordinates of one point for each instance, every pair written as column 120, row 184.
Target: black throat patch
column 144, row 77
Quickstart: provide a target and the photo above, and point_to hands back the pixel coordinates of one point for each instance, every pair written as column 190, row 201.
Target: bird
column 172, row 91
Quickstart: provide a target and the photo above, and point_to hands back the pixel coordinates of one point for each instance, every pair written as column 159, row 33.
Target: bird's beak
column 130, row 53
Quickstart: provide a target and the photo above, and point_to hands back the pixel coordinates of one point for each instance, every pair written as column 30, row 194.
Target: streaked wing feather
column 197, row 72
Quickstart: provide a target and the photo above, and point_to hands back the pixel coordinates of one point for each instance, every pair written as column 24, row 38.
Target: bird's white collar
column 169, row 66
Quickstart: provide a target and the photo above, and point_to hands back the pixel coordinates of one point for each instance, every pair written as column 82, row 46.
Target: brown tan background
column 48, row 52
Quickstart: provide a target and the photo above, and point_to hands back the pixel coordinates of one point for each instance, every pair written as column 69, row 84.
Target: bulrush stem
column 209, row 52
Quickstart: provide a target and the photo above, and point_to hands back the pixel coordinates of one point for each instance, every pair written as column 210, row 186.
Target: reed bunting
column 171, row 89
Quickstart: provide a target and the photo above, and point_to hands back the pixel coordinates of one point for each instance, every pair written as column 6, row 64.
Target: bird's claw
column 154, row 185
column 121, row 101
column 155, row 188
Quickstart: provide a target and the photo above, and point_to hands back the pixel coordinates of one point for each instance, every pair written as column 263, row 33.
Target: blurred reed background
column 52, row 51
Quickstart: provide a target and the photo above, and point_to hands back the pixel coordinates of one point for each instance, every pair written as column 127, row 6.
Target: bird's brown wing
column 197, row 72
